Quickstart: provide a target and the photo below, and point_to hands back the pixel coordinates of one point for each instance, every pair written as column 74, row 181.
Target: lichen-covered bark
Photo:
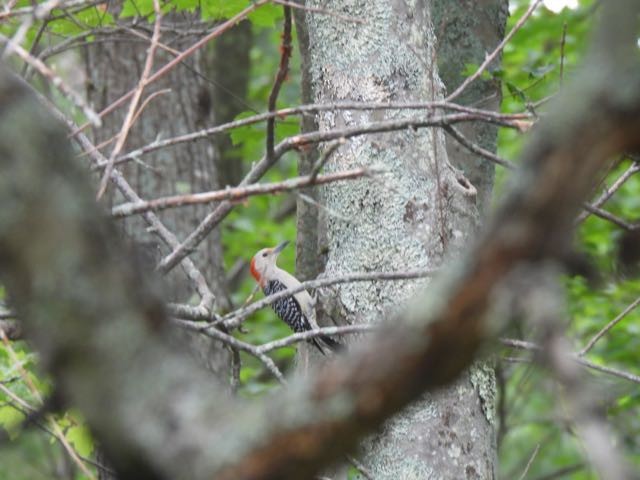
column 412, row 216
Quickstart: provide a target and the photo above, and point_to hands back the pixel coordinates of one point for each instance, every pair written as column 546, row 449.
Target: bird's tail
column 323, row 342
column 331, row 343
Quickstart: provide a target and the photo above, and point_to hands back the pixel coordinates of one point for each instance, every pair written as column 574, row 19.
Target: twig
column 608, row 327
column 219, row 30
column 56, row 81
column 451, row 130
column 487, row 115
column 9, row 393
column 106, row 142
column 610, row 217
column 309, row 334
column 530, row 462
column 234, row 343
column 283, row 68
column 326, row 155
column 562, row 472
column 330, row 211
column 491, row 57
column 191, row 312
column 594, row 432
column 530, row 346
column 608, row 192
column 236, row 366
column 234, row 194
column 133, row 105
column 364, row 471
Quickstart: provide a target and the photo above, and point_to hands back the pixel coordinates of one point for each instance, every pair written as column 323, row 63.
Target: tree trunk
column 466, row 32
column 413, row 216
column 115, row 67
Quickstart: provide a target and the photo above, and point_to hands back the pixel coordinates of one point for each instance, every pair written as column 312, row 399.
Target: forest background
column 60, row 57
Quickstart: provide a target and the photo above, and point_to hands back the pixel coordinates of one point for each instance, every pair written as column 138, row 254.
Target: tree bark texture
column 113, row 68
column 466, row 31
column 413, row 216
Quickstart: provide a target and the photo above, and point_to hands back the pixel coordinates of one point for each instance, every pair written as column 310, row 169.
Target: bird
column 296, row 310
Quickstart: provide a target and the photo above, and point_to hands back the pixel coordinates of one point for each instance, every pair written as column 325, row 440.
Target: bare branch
column 303, row 141
column 530, row 462
column 283, row 68
column 608, row 192
column 609, row 326
column 610, row 217
column 485, row 115
column 478, row 149
column 309, row 334
column 234, row 194
column 233, row 342
column 530, row 346
column 56, row 81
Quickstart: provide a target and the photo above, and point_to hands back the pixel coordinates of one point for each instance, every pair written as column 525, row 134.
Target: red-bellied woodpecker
column 295, row 310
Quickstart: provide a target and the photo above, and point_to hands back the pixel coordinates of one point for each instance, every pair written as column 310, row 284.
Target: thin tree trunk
column 414, row 216
column 466, row 31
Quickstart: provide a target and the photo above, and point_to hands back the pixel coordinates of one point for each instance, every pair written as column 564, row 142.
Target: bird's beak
column 280, row 247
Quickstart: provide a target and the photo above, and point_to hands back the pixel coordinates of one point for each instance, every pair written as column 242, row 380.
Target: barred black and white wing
column 290, row 312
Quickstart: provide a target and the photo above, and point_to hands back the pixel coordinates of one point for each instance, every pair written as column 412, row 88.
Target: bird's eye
column 264, row 254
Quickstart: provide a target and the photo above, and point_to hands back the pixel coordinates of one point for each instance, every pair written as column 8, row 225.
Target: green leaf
column 10, row 418
column 266, row 16
column 80, row 437
column 133, row 8
column 221, row 9
column 249, row 133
